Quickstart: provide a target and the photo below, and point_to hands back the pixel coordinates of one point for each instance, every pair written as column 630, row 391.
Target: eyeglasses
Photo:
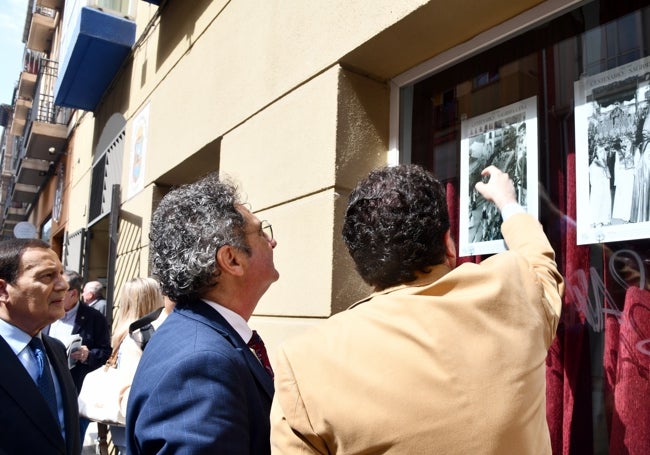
column 266, row 229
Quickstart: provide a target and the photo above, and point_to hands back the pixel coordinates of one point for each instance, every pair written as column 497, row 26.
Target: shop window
column 565, row 110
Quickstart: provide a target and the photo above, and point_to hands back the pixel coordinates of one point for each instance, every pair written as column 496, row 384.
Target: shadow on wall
column 177, row 22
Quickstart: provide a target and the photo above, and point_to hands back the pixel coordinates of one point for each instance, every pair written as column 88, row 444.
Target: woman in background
column 600, row 197
column 138, row 297
column 623, row 180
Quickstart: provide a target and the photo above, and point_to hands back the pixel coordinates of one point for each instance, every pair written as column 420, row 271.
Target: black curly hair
column 395, row 225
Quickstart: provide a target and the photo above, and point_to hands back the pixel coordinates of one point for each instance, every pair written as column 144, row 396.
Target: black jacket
column 92, row 326
column 26, row 423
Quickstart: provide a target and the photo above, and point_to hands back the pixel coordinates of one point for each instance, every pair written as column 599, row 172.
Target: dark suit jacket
column 26, row 423
column 199, row 390
column 99, row 305
column 92, row 326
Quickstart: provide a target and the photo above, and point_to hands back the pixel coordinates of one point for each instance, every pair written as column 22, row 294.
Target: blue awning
column 91, row 56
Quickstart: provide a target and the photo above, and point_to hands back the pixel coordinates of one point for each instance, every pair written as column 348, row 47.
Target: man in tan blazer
column 440, row 359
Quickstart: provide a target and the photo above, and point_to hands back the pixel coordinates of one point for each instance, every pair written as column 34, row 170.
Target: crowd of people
column 439, row 358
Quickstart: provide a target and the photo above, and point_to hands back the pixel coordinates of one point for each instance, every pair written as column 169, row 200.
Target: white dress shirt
column 236, row 321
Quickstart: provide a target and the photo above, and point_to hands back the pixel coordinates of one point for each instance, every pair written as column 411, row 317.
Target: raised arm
column 525, row 235
column 499, row 189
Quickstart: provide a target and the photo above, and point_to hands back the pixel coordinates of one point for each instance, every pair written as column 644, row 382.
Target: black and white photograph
column 507, row 139
column 612, row 154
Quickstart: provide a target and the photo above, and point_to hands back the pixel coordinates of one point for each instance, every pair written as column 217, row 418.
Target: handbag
column 102, row 392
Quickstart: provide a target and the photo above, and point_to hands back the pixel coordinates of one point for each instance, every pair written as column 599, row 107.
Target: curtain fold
column 630, row 377
column 568, row 372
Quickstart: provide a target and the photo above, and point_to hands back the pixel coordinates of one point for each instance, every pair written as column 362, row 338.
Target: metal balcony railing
column 44, row 11
column 32, row 61
column 3, row 152
column 16, row 154
column 43, row 107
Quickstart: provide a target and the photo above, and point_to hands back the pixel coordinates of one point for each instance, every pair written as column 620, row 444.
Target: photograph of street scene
column 612, row 154
column 507, row 139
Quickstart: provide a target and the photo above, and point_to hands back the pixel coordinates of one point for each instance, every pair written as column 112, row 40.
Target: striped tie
column 257, row 345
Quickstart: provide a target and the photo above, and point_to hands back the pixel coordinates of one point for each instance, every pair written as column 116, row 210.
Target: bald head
column 92, row 291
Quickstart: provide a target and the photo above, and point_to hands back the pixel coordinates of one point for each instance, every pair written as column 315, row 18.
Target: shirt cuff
column 511, row 209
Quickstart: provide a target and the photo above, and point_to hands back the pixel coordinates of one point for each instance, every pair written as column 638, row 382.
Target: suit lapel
column 68, row 391
column 79, row 318
column 208, row 315
column 18, row 384
column 262, row 377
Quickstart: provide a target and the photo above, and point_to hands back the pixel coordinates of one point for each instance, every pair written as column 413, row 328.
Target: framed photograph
column 506, row 138
column 612, row 154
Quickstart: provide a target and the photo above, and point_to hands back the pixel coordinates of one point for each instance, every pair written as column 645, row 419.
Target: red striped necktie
column 257, row 345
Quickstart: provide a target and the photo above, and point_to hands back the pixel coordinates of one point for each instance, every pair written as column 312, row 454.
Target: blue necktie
column 44, row 382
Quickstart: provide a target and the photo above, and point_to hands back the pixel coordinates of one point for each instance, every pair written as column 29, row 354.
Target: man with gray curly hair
column 204, row 384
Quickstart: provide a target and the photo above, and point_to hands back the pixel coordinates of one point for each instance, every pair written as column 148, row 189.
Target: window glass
column 564, row 109
column 46, row 230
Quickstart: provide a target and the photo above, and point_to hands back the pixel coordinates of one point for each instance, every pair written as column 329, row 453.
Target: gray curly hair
column 188, row 227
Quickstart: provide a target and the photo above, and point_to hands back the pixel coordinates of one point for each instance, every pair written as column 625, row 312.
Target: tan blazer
column 451, row 364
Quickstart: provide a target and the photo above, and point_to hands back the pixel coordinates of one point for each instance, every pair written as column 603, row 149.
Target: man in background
column 38, row 400
column 204, row 383
column 93, row 297
column 440, row 359
column 85, row 322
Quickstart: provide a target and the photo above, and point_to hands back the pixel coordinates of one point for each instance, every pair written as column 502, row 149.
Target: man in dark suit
column 37, row 395
column 89, row 324
column 199, row 388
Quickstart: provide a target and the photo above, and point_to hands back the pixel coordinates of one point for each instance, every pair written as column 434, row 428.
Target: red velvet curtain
column 627, row 366
column 568, row 365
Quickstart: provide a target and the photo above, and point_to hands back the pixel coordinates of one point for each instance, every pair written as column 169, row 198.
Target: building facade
column 119, row 101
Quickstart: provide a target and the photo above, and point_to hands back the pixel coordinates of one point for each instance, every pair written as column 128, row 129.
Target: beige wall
column 299, row 94
column 79, row 168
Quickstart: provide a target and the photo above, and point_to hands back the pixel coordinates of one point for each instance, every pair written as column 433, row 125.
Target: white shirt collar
column 236, row 321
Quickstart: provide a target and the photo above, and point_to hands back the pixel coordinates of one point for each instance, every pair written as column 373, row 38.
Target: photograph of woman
column 600, row 196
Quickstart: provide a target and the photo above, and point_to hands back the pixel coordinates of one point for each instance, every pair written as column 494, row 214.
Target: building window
column 583, row 81
column 46, row 230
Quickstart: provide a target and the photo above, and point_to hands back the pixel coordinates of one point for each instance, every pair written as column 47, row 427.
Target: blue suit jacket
column 199, row 390
column 26, row 423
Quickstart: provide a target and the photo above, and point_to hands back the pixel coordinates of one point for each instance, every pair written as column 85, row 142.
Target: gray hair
column 189, row 226
column 95, row 287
